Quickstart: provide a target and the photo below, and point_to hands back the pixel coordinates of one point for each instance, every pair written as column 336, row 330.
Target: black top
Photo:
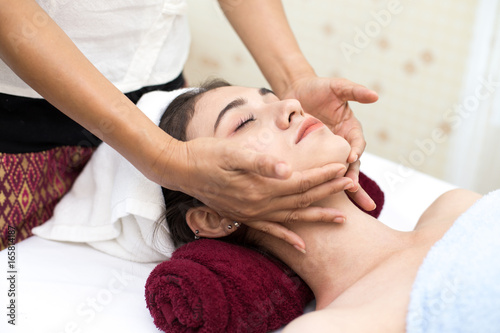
column 33, row 124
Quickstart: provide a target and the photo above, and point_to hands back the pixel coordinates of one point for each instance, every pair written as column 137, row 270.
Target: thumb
column 364, row 95
column 349, row 91
column 261, row 164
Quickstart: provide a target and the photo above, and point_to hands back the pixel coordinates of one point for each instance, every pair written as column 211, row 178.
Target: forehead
column 210, row 104
column 222, row 96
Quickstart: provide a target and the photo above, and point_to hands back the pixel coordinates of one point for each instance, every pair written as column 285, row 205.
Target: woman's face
column 258, row 120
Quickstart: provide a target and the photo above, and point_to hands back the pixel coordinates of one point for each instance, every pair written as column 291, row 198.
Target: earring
column 196, row 234
column 236, row 224
column 230, row 226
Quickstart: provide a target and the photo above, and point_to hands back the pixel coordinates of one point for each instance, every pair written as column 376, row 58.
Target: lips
column 309, row 125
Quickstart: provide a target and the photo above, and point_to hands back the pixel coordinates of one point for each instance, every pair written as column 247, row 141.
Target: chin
column 322, row 155
column 324, row 149
column 335, row 149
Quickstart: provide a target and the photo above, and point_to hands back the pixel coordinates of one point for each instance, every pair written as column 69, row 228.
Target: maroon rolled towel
column 213, row 286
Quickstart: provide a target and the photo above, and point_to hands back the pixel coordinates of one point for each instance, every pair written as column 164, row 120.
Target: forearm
column 40, row 53
column 263, row 27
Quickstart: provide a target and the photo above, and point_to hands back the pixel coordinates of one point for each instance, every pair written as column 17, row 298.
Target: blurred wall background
column 415, row 54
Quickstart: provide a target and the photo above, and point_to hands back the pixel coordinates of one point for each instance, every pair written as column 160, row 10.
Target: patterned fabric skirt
column 32, row 183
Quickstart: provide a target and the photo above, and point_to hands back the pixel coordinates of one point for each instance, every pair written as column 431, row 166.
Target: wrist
column 165, row 161
column 152, row 151
column 291, row 68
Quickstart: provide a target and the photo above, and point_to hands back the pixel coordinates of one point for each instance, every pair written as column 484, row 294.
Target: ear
column 208, row 222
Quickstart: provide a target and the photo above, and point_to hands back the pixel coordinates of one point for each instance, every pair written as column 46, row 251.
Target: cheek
column 265, row 141
column 341, row 149
column 323, row 149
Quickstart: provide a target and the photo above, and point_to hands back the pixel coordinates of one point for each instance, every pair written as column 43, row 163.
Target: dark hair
column 174, row 121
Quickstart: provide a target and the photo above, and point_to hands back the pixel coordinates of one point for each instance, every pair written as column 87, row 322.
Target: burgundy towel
column 212, row 286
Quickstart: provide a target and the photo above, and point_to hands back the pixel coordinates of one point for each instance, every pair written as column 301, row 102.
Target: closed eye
column 244, row 121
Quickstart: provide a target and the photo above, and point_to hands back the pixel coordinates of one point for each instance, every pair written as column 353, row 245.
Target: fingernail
column 348, row 186
column 282, row 169
column 339, row 220
column 300, row 249
column 374, row 205
column 355, row 158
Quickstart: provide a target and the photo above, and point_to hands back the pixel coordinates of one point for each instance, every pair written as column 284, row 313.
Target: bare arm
column 39, row 52
column 263, row 27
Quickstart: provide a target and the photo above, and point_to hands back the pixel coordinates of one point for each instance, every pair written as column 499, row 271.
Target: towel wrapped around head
column 213, row 286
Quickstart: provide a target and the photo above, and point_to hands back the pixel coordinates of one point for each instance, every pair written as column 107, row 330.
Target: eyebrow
column 265, row 91
column 234, row 104
column 237, row 103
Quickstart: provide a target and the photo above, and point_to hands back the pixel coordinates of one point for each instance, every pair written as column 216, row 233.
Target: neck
column 339, row 255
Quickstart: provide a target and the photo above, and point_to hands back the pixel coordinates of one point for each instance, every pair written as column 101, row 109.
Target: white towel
column 114, row 207
column 457, row 286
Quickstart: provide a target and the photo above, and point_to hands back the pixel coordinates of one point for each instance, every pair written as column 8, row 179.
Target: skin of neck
column 338, row 255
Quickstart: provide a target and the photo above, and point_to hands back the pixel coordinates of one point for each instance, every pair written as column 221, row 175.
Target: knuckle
column 292, row 217
column 340, row 83
column 248, row 212
column 251, row 194
column 251, row 197
column 322, row 217
column 225, row 154
column 262, row 163
column 283, row 237
column 305, row 184
column 266, row 229
column 255, row 197
column 304, row 201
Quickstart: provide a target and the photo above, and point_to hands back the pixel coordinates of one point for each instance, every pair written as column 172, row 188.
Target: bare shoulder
column 335, row 320
column 322, row 321
column 448, row 207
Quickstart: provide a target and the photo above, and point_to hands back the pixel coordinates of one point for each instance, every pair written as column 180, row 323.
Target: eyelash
column 244, row 121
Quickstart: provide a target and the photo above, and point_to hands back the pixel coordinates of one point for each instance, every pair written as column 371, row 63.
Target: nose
column 287, row 111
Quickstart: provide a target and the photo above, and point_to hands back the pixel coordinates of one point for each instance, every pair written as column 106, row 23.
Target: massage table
column 72, row 287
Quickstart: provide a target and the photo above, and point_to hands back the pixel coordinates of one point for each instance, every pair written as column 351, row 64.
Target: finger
column 262, row 164
column 303, row 181
column 358, row 145
column 362, row 199
column 281, row 232
column 361, row 94
column 313, row 214
column 349, row 91
column 286, row 207
column 303, row 200
column 354, row 136
column 284, row 194
column 353, row 174
column 285, row 210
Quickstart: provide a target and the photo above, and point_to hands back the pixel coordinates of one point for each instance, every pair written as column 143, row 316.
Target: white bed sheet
column 68, row 287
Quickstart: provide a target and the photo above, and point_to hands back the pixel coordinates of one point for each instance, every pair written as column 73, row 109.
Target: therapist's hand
column 327, row 99
column 258, row 189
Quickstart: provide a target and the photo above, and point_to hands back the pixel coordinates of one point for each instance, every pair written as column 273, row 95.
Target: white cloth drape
column 474, row 160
